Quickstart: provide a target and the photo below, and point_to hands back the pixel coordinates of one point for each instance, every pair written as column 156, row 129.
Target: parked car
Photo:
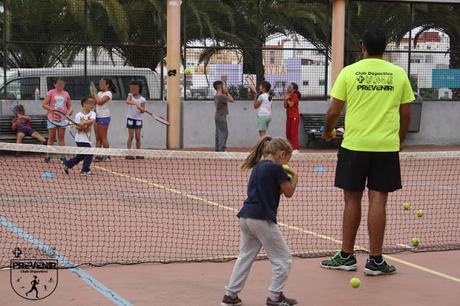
column 33, row 83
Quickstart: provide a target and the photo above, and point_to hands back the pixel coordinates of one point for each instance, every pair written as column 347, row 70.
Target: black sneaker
column 339, row 263
column 231, row 301
column 139, row 157
column 373, row 269
column 129, row 157
column 98, row 159
column 47, row 158
column 282, row 301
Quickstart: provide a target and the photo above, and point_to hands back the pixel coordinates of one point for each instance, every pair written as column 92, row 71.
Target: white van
column 22, row 83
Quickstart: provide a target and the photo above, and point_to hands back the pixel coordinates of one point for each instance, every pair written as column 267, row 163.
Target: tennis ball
column 406, row 205
column 420, row 213
column 334, row 133
column 286, row 167
column 415, row 241
column 188, row 71
column 355, row 282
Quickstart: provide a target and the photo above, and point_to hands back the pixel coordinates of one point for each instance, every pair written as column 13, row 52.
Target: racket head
column 59, row 119
column 250, row 82
column 92, row 89
column 158, row 118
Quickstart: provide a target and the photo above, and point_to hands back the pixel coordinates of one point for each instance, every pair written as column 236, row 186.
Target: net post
column 338, row 37
column 173, row 67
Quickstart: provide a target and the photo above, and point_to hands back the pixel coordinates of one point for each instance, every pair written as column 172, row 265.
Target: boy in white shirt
column 85, row 121
column 136, row 107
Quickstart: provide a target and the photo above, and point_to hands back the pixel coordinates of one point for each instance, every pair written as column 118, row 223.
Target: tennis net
column 175, row 206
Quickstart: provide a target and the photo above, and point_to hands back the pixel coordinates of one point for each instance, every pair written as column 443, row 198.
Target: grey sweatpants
column 221, row 134
column 254, row 235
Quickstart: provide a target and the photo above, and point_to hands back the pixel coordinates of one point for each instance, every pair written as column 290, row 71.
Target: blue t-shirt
column 264, row 191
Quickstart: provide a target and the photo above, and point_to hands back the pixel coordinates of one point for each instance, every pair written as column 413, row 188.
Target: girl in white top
column 103, row 98
column 263, row 102
column 136, row 107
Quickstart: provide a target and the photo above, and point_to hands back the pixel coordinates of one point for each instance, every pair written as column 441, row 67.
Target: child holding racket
column 57, row 99
column 21, row 124
column 291, row 104
column 84, row 122
column 262, row 102
column 258, row 225
column 103, row 98
column 136, row 107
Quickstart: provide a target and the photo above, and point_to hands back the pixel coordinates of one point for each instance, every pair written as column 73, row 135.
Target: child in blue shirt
column 258, row 222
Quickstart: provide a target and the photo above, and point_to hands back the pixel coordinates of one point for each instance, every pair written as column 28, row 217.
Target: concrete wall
column 437, row 124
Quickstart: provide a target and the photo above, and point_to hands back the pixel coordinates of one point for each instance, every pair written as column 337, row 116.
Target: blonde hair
column 264, row 147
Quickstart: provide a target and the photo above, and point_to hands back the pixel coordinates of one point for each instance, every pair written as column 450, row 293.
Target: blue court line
column 91, row 281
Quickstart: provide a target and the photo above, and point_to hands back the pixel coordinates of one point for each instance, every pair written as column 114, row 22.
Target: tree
column 32, row 27
column 246, row 25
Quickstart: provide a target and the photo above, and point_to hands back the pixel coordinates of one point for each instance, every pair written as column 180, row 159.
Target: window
column 429, row 59
column 78, row 86
column 415, row 61
column 21, row 89
column 306, row 62
column 305, row 83
column 322, row 82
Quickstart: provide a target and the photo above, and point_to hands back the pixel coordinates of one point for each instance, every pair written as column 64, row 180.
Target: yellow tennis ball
column 406, row 205
column 286, row 167
column 415, row 241
column 188, row 71
column 420, row 213
column 355, row 282
column 334, row 133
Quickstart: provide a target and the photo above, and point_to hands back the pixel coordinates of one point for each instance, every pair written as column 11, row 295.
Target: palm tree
column 246, row 25
column 34, row 28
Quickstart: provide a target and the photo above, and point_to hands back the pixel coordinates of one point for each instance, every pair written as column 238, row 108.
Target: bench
column 313, row 125
column 38, row 123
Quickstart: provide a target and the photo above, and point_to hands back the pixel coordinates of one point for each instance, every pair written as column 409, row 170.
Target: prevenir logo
column 34, row 279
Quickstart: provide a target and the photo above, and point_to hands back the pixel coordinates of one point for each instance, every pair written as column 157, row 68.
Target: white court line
column 88, row 279
column 294, row 228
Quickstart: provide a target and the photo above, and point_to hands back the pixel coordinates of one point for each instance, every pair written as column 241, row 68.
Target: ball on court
column 355, row 282
column 286, row 167
column 406, row 205
column 420, row 213
column 415, row 241
column 188, row 71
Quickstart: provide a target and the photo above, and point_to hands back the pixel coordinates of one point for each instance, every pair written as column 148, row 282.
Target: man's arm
column 332, row 116
column 404, row 114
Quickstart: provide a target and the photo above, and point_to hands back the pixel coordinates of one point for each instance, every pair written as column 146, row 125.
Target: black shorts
column 133, row 123
column 381, row 170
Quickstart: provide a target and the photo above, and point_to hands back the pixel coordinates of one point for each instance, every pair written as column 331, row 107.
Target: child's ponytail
column 256, row 153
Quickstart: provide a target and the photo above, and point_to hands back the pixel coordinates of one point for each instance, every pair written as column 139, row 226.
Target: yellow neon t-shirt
column 373, row 90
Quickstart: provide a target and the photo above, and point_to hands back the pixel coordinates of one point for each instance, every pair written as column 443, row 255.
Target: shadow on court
column 431, row 279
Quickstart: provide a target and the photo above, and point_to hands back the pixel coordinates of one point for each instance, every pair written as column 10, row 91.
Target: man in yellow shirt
column 377, row 95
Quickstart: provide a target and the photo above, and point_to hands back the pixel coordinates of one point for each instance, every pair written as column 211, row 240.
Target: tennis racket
column 92, row 89
column 60, row 119
column 158, row 118
column 10, row 105
column 251, row 84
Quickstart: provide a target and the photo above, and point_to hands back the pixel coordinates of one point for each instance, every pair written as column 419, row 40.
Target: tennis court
column 176, row 207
